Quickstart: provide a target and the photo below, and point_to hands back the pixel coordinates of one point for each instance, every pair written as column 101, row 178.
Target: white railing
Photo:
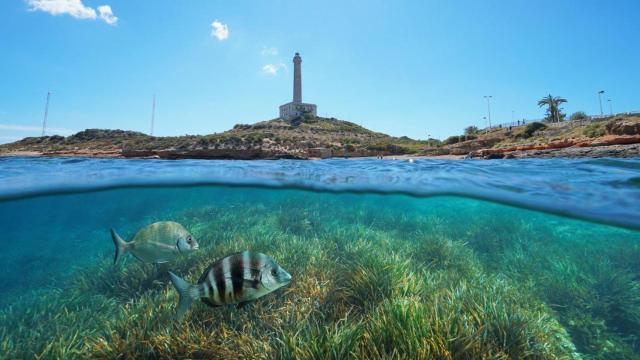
column 588, row 119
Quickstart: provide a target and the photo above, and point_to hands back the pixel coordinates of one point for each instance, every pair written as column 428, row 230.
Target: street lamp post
column 610, row 107
column 488, row 97
column 153, row 114
column 600, row 100
column 46, row 114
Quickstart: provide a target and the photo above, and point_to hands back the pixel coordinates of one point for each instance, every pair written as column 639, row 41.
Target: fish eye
column 274, row 272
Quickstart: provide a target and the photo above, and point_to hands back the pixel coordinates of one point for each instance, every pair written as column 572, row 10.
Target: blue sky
column 404, row 68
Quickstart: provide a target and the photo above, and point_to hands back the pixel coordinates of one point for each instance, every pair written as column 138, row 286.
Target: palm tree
column 553, row 107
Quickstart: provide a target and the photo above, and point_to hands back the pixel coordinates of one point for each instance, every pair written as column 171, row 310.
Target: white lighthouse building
column 296, row 108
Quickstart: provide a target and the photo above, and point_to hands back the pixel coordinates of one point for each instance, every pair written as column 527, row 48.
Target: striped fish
column 236, row 279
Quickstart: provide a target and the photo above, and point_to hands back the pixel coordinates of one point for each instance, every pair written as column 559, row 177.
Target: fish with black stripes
column 239, row 278
column 158, row 243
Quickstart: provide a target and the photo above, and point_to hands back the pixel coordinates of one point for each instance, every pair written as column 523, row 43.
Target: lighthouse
column 297, row 79
column 295, row 108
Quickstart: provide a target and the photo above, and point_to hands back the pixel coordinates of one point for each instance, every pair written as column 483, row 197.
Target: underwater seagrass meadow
column 374, row 276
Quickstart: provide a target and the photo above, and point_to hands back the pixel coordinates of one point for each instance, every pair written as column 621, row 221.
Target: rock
column 620, row 151
column 234, row 154
column 464, row 147
column 615, row 140
column 623, row 128
column 107, row 153
column 493, row 156
column 606, row 140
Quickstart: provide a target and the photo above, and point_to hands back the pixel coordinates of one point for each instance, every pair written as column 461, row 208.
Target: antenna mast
column 153, row 113
column 46, row 113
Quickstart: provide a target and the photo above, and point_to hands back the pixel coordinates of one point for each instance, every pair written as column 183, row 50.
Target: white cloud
column 219, row 30
column 107, row 15
column 272, row 69
column 269, row 51
column 73, row 8
column 30, row 128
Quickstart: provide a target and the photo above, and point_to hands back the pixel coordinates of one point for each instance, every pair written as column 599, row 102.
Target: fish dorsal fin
column 204, row 275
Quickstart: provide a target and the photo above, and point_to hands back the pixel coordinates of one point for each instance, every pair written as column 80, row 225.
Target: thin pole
column 488, row 97
column 600, row 100
column 610, row 107
column 46, row 113
column 153, row 113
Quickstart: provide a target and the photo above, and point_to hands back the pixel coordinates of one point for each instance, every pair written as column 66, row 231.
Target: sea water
column 390, row 259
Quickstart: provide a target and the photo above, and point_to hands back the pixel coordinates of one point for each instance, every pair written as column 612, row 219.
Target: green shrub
column 579, row 115
column 532, row 128
column 452, row 140
column 594, row 130
column 471, row 130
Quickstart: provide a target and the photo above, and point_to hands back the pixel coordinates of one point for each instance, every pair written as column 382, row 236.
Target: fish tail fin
column 121, row 245
column 187, row 292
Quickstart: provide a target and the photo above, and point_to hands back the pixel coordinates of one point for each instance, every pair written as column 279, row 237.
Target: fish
column 158, row 243
column 239, row 278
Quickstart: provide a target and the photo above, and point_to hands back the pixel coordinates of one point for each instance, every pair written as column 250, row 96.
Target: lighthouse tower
column 297, row 79
column 294, row 109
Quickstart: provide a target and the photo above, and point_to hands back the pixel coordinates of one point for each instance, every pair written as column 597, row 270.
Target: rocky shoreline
column 320, row 138
column 613, row 151
column 606, row 146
